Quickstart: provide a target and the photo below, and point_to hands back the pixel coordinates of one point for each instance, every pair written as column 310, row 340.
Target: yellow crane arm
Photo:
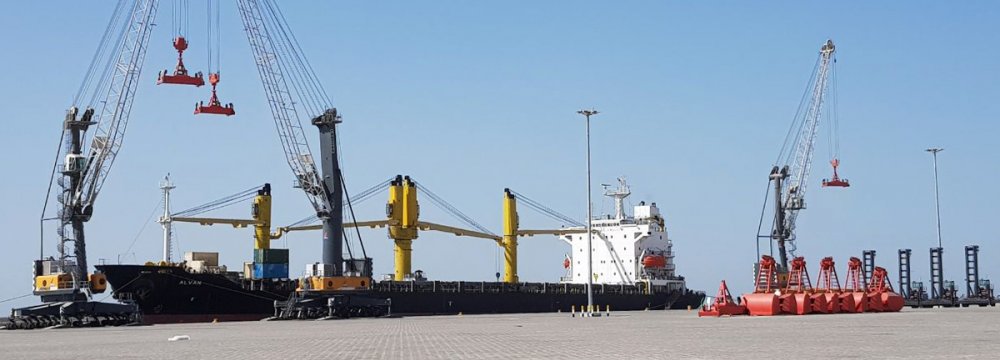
column 236, row 223
column 371, row 224
column 556, row 232
column 423, row 225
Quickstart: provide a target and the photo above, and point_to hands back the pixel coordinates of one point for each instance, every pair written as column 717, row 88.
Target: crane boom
column 799, row 173
column 791, row 179
column 269, row 55
column 82, row 176
column 293, row 91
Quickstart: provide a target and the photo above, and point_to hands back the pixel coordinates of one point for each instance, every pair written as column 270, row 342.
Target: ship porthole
column 45, row 283
column 329, row 284
column 362, row 283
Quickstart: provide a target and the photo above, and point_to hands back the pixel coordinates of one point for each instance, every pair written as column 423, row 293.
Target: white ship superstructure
column 627, row 249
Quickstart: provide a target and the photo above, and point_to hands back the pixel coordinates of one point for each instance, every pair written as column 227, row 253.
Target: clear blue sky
column 469, row 98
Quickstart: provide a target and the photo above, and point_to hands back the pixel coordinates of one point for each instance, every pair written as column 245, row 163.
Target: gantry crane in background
column 789, row 176
column 105, row 97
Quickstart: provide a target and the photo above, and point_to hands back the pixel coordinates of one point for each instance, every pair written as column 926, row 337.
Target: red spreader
column 180, row 75
column 214, row 106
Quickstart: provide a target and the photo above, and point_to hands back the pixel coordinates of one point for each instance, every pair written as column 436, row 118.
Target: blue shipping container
column 270, row 271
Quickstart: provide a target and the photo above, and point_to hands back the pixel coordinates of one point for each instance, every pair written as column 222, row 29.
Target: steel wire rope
column 143, row 228
column 98, row 53
column 109, row 63
column 15, row 298
column 97, row 182
column 453, row 211
column 354, row 219
column 286, row 127
column 544, row 210
column 359, row 198
column 48, row 193
column 291, row 64
column 220, row 203
column 307, row 79
column 284, row 63
column 288, row 63
column 317, row 87
column 295, row 42
column 834, row 109
column 797, row 120
column 760, row 224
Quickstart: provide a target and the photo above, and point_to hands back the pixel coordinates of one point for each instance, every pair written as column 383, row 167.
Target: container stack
column 270, row 263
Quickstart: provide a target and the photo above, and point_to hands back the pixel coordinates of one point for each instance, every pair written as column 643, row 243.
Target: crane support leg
column 403, row 251
column 333, row 225
column 510, row 225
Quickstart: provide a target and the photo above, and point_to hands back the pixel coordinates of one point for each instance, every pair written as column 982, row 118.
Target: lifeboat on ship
column 654, row 261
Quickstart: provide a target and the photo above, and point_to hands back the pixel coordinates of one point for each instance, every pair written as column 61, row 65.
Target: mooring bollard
column 572, row 310
column 607, row 309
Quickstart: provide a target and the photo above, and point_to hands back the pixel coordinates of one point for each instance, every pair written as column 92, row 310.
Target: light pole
column 937, row 197
column 590, row 216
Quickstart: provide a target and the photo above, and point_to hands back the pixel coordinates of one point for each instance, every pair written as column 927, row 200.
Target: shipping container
column 270, row 271
column 270, row 256
column 210, row 258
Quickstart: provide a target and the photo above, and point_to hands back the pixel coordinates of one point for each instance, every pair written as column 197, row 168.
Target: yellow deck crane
column 260, row 219
column 402, row 219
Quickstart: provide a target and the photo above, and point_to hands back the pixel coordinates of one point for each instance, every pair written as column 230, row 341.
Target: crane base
column 325, row 306
column 73, row 314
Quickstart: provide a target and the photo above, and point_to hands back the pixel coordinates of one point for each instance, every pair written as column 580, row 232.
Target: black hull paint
column 171, row 294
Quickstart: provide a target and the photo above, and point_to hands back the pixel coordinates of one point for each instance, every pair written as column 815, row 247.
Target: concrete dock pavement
column 911, row 334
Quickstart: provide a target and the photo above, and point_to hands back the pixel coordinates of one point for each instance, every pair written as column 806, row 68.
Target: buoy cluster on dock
column 777, row 293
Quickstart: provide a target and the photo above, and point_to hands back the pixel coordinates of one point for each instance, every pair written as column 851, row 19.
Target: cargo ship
column 633, row 269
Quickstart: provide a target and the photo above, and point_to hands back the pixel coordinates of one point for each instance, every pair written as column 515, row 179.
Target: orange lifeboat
column 654, row 261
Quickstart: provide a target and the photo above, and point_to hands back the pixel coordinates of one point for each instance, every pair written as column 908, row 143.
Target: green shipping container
column 270, row 256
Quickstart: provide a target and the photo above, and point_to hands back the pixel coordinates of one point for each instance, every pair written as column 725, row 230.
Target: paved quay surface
column 970, row 333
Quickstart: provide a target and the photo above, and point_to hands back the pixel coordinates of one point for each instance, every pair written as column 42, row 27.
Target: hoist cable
column 453, row 211
column 354, row 219
column 544, row 210
column 220, row 203
column 790, row 141
column 99, row 54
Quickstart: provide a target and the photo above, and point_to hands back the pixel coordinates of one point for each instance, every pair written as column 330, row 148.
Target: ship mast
column 619, row 195
column 164, row 220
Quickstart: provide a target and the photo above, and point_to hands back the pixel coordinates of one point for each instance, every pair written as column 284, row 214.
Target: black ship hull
column 168, row 294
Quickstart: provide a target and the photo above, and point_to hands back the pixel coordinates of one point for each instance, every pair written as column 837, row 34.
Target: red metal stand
column 829, row 286
column 214, row 106
column 723, row 304
column 853, row 288
column 880, row 292
column 763, row 301
column 180, row 75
